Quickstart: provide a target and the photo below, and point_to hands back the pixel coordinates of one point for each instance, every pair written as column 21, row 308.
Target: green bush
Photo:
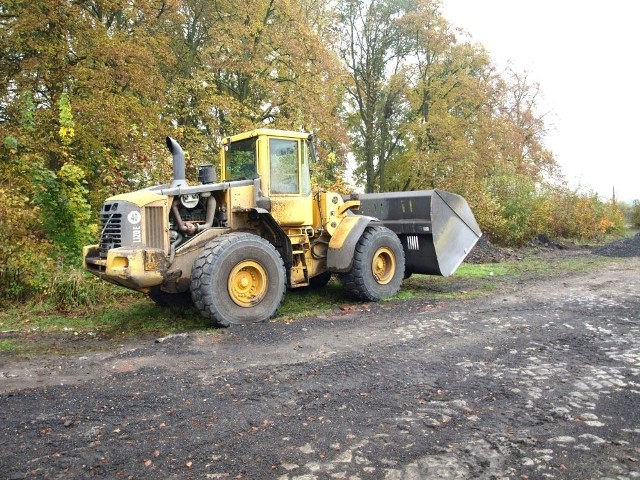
column 25, row 257
column 584, row 216
column 635, row 213
column 71, row 288
column 527, row 210
column 523, row 208
column 66, row 214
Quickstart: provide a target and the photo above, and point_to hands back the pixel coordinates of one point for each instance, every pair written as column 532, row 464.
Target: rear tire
column 378, row 265
column 238, row 278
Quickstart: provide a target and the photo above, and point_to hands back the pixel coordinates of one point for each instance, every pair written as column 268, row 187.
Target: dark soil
column 629, row 247
column 537, row 381
column 541, row 379
column 487, row 252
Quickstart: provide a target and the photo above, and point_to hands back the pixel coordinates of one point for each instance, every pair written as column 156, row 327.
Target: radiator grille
column 110, row 228
column 154, row 230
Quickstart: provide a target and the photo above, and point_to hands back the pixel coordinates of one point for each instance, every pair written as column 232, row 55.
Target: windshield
column 240, row 160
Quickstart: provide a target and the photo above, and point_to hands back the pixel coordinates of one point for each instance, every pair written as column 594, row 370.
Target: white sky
column 585, row 54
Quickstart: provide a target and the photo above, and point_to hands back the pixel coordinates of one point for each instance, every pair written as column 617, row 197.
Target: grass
column 118, row 315
column 532, row 266
column 305, row 302
column 121, row 316
column 8, row 345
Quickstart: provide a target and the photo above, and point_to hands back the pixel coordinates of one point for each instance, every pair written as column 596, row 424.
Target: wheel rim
column 247, row 283
column 383, row 265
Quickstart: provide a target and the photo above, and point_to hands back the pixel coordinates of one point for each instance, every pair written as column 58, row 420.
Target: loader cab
column 281, row 161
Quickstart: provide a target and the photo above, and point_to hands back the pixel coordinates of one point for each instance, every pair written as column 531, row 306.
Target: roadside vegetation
column 105, row 316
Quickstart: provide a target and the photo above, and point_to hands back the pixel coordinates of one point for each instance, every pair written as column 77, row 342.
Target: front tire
column 378, row 265
column 238, row 278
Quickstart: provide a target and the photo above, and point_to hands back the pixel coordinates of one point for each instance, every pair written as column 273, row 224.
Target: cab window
column 306, row 171
column 240, row 160
column 283, row 156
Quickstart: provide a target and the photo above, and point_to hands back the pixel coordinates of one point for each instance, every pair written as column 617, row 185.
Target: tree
column 91, row 87
column 257, row 63
column 522, row 127
column 374, row 49
column 107, row 58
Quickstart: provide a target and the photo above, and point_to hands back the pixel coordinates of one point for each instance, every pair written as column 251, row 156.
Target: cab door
column 289, row 181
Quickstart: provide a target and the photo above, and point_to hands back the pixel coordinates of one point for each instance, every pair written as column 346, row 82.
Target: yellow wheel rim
column 383, row 265
column 247, row 283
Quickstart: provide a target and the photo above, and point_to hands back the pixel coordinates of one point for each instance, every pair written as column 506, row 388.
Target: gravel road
column 539, row 380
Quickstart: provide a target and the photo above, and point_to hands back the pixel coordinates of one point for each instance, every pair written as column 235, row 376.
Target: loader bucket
column 437, row 228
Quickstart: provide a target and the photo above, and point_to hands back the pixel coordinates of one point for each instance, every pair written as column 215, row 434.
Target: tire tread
column 356, row 280
column 201, row 288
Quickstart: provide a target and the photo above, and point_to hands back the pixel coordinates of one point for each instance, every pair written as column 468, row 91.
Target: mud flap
column 343, row 242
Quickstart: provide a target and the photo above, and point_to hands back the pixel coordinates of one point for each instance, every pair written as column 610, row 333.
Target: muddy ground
column 541, row 379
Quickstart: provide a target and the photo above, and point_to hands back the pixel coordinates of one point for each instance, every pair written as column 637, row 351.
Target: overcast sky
column 585, row 54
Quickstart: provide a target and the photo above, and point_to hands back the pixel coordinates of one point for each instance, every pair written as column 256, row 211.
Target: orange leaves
column 605, row 225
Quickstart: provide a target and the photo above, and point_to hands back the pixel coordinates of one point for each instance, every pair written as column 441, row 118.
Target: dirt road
column 539, row 380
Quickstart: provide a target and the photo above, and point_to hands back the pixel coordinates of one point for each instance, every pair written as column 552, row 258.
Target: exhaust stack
column 179, row 169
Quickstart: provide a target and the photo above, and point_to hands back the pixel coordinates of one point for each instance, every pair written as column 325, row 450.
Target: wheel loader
column 232, row 247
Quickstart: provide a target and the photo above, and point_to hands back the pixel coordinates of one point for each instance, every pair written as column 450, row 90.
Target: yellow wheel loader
column 232, row 247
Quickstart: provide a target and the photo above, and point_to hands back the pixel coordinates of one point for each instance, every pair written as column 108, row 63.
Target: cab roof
column 268, row 132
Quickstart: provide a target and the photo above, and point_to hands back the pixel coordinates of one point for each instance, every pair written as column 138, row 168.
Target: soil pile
column 486, row 252
column 629, row 247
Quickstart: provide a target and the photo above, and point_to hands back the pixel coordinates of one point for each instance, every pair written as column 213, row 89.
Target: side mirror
column 312, row 146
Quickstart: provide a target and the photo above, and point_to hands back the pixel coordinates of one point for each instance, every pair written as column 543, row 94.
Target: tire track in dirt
column 540, row 380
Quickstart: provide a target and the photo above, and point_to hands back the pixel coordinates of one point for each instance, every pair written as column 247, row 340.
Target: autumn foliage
column 90, row 88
